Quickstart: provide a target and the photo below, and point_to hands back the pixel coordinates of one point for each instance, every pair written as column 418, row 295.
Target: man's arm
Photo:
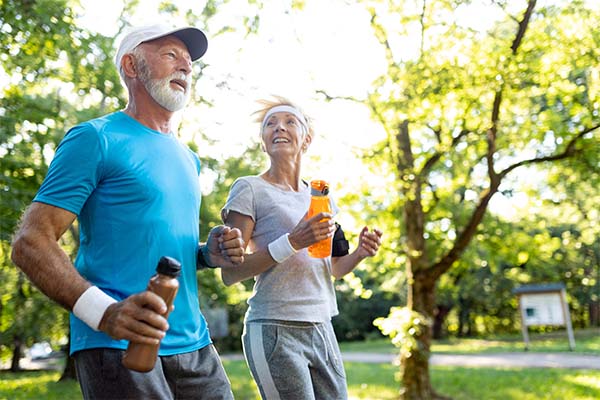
column 36, row 252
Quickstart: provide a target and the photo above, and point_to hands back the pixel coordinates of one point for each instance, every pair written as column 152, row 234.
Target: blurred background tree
column 464, row 114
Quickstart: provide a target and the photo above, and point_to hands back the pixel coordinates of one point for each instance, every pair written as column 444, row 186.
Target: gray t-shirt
column 301, row 287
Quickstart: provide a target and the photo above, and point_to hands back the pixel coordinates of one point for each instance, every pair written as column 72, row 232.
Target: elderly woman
column 288, row 339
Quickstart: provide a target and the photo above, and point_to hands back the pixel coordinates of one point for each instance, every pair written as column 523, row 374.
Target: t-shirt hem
column 121, row 346
column 287, row 317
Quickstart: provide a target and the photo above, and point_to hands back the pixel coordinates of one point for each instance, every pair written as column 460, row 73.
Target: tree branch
column 438, row 154
column 465, row 236
column 523, row 26
column 381, row 36
column 422, row 21
column 569, row 151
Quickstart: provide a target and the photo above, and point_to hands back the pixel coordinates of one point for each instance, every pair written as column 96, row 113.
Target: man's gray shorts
column 294, row 360
column 195, row 375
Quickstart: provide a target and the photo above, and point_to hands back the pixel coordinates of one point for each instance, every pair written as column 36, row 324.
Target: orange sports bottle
column 319, row 202
column 142, row 357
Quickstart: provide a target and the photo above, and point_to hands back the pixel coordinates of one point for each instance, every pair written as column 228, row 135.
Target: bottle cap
column 168, row 266
column 319, row 188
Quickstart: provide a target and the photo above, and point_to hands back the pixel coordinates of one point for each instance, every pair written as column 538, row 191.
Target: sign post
column 544, row 304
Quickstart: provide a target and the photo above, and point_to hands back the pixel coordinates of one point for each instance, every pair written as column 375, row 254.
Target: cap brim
column 193, row 38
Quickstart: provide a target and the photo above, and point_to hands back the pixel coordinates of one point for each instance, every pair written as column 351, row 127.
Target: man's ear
column 128, row 65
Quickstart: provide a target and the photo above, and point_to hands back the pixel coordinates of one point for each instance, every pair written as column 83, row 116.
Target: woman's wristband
column 91, row 305
column 281, row 248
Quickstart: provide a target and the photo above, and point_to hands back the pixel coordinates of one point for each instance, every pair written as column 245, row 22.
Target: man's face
column 165, row 68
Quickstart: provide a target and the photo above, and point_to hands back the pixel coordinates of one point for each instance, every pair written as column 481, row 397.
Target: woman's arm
column 255, row 263
column 368, row 244
column 305, row 233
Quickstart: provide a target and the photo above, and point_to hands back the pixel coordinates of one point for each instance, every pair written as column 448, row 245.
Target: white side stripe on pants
column 260, row 362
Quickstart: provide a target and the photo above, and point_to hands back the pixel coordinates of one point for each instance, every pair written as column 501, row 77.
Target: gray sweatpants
column 292, row 360
column 195, row 375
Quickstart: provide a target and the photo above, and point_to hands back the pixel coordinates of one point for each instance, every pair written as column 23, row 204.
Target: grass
column 587, row 341
column 367, row 382
column 37, row 385
column 376, row 381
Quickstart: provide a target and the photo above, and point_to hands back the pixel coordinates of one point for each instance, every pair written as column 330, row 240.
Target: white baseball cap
column 193, row 38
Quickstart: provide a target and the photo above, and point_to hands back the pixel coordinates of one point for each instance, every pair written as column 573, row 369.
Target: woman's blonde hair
column 281, row 101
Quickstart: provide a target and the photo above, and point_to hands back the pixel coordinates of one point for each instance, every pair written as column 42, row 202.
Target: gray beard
column 168, row 98
column 159, row 89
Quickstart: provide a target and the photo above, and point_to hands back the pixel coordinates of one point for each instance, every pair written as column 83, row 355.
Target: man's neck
column 148, row 112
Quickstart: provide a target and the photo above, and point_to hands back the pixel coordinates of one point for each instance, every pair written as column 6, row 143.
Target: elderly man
column 134, row 190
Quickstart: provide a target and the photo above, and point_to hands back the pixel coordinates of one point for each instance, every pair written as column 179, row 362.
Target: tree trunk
column 440, row 314
column 594, row 313
column 15, row 365
column 69, row 371
column 416, row 381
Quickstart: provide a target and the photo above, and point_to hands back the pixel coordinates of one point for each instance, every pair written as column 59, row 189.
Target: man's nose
column 185, row 65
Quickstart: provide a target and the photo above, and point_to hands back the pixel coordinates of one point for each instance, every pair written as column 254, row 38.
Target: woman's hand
column 368, row 242
column 312, row 230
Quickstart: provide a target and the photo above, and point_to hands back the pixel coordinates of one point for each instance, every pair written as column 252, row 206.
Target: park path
column 496, row 360
column 493, row 360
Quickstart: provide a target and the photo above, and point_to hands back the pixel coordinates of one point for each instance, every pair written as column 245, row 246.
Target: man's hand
column 225, row 246
column 139, row 318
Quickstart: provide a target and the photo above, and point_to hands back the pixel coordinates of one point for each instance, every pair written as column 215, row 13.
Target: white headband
column 288, row 109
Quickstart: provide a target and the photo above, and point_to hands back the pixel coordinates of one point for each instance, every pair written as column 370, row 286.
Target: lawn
column 367, row 381
column 586, row 341
column 376, row 381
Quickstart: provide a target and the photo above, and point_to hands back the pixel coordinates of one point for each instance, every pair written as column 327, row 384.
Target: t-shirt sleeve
column 240, row 199
column 74, row 171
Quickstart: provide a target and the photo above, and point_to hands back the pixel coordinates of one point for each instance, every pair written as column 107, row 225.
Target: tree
column 470, row 108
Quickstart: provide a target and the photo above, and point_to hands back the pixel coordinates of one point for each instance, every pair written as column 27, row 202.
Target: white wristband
column 91, row 305
column 281, row 248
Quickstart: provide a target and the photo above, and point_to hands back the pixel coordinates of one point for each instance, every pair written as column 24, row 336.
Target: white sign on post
column 542, row 309
column 544, row 304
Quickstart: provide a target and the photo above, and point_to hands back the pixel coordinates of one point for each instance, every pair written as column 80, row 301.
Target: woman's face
column 284, row 134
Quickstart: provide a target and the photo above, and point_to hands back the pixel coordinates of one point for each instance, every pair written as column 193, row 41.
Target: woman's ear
column 307, row 141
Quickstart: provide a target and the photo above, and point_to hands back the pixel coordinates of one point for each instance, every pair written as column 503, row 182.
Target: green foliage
column 355, row 320
column 445, row 92
column 466, row 110
column 405, row 327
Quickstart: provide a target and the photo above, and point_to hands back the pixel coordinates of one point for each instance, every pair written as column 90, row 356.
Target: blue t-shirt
column 136, row 194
